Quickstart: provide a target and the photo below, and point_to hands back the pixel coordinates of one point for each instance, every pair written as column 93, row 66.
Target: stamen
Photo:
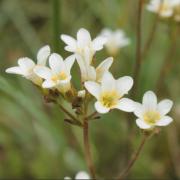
column 151, row 117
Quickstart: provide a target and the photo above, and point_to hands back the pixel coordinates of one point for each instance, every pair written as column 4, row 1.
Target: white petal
column 167, row 13
column 83, row 37
column 91, row 73
column 43, row 54
column 106, row 32
column 124, row 42
column 82, row 67
column 165, row 106
column 100, row 108
column 164, row 121
column 67, row 178
column 15, row 70
column 56, row 63
column 98, row 43
column 70, row 48
column 103, row 67
column 69, row 61
column 141, row 124
column 88, row 55
column 138, row 109
column 71, row 42
column 125, row 104
column 82, row 175
column 150, row 100
column 68, row 40
column 108, row 82
column 43, row 72
column 26, row 63
column 93, row 88
column 48, row 84
column 124, row 84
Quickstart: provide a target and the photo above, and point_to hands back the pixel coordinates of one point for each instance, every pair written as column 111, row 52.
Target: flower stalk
column 135, row 156
column 137, row 66
column 56, row 24
column 151, row 37
column 87, row 148
column 75, row 120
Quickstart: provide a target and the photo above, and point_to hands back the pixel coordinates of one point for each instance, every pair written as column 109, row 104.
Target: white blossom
column 58, row 75
column 115, row 40
column 82, row 175
column 84, row 45
column 26, row 66
column 165, row 8
column 150, row 113
column 110, row 92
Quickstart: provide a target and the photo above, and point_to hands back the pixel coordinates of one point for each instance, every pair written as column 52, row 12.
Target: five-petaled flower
column 110, row 92
column 150, row 113
column 26, row 66
column 115, row 40
column 84, row 45
column 58, row 75
column 165, row 8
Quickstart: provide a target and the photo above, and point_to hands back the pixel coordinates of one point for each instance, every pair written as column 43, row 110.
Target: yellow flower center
column 109, row 99
column 164, row 7
column 61, row 76
column 151, row 117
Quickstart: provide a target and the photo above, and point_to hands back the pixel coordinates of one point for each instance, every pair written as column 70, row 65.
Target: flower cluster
column 166, row 8
column 53, row 73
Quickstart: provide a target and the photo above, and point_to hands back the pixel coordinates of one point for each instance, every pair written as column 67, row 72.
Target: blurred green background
column 35, row 142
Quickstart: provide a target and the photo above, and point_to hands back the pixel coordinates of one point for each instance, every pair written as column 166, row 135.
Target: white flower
column 89, row 73
column 80, row 175
column 150, row 113
column 115, row 40
column 110, row 92
column 84, row 45
column 165, row 8
column 58, row 75
column 26, row 66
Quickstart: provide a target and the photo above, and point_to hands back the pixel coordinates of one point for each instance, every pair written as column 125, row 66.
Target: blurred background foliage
column 34, row 140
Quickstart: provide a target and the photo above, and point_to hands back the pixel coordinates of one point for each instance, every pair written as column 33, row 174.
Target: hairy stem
column 134, row 158
column 87, row 149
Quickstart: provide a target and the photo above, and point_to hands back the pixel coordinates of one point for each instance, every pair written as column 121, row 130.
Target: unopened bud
column 81, row 93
